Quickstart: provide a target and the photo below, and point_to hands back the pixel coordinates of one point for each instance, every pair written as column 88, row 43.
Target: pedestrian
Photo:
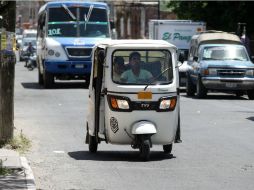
column 246, row 42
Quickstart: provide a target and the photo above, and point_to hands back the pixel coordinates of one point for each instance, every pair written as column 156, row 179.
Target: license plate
column 144, row 95
column 79, row 66
column 231, row 85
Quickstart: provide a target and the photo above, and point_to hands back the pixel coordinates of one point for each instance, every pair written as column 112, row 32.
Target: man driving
column 135, row 74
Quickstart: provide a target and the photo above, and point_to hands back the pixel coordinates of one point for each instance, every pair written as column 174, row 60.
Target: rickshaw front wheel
column 145, row 150
column 167, row 148
column 93, row 145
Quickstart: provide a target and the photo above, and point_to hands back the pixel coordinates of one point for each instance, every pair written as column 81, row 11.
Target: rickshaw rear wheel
column 145, row 150
column 167, row 148
column 93, row 145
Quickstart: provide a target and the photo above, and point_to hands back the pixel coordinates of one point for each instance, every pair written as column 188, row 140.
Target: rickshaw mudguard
column 143, row 127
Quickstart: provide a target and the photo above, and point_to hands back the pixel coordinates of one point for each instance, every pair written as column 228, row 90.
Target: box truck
column 179, row 33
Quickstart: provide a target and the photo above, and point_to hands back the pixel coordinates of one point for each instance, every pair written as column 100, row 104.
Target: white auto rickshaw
column 137, row 104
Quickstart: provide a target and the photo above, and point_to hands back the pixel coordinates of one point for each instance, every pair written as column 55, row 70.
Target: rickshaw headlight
column 168, row 104
column 119, row 103
column 123, row 104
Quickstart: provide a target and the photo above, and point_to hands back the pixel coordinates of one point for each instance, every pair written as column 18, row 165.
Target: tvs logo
column 145, row 105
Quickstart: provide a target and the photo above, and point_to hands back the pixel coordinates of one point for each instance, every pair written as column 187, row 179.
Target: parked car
column 29, row 33
column 219, row 61
column 24, row 46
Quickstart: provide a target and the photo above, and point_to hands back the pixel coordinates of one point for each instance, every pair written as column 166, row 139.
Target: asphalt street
column 217, row 150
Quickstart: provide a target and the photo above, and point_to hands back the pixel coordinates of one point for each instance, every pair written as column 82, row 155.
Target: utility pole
column 159, row 13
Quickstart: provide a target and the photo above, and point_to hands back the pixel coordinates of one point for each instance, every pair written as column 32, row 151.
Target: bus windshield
column 78, row 22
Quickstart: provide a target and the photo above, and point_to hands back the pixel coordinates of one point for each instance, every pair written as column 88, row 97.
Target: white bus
column 66, row 34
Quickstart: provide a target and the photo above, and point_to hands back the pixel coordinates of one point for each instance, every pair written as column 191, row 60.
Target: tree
column 218, row 15
column 7, row 70
column 8, row 12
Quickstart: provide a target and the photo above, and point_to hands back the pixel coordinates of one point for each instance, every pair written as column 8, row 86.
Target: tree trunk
column 7, row 68
column 7, row 71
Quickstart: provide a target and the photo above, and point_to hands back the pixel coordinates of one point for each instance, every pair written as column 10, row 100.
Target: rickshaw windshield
column 142, row 67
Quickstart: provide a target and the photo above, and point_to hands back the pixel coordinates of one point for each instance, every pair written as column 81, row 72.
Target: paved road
column 217, row 150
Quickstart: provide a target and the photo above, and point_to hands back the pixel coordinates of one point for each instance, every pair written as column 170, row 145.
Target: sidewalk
column 22, row 175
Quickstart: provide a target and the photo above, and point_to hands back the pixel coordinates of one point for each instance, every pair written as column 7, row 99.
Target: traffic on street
column 216, row 152
column 120, row 95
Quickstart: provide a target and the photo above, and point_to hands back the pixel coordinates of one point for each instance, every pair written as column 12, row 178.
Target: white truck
column 179, row 33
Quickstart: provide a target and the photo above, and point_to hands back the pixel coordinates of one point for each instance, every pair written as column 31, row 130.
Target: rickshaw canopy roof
column 142, row 43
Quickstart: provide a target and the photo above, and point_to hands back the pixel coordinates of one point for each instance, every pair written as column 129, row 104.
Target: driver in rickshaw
column 135, row 74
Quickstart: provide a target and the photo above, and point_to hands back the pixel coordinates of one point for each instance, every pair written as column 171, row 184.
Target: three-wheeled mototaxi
column 138, row 104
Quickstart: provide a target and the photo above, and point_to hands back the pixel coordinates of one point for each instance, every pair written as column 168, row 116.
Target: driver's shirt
column 130, row 77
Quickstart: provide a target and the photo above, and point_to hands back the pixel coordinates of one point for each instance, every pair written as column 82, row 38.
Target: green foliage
column 3, row 170
column 219, row 15
column 19, row 143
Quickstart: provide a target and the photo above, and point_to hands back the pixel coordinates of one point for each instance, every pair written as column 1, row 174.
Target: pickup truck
column 218, row 61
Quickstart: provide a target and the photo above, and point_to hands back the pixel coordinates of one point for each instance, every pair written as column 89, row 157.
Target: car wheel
column 190, row 88
column 87, row 82
column 201, row 90
column 239, row 93
column 93, row 145
column 40, row 77
column 250, row 94
column 48, row 79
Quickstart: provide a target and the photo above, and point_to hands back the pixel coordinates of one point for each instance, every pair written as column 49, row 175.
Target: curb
column 30, row 182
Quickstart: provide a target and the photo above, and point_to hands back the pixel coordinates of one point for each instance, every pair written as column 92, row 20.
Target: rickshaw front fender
column 143, row 127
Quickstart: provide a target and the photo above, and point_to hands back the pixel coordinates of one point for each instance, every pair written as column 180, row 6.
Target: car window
column 227, row 52
column 26, row 42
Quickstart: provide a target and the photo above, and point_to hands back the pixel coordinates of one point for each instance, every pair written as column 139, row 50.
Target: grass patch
column 19, row 143
column 3, row 170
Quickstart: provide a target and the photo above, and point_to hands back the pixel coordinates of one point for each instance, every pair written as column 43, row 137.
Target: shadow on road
column 218, row 97
column 130, row 156
column 57, row 85
column 31, row 85
column 250, row 118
